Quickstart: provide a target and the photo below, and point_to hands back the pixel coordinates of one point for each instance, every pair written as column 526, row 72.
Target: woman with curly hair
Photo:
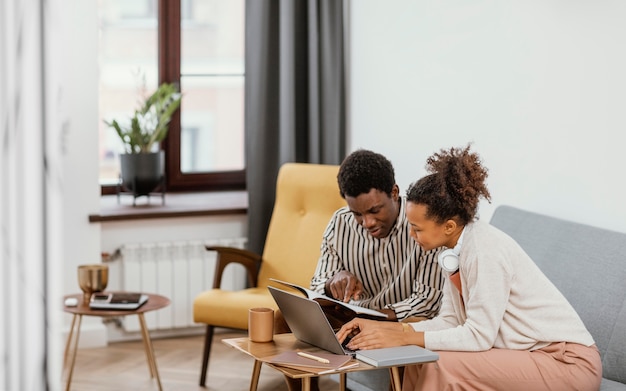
column 503, row 325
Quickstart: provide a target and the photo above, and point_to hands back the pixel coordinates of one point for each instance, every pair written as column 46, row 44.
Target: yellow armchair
column 306, row 197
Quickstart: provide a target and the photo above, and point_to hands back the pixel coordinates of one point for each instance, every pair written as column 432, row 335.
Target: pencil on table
column 312, row 357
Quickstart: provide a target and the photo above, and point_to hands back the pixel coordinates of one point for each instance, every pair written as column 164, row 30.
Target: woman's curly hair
column 364, row 170
column 453, row 187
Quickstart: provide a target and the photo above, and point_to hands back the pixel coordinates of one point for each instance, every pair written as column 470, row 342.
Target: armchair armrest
column 226, row 255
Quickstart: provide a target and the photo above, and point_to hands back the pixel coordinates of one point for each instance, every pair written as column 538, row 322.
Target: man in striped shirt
column 367, row 255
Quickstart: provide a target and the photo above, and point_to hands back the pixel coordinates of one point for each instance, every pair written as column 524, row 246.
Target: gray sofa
column 587, row 264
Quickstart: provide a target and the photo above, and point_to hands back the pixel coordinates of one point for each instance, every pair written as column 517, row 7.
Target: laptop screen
column 307, row 321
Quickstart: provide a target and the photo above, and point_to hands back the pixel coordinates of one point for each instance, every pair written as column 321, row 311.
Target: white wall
column 537, row 86
column 117, row 233
column 81, row 188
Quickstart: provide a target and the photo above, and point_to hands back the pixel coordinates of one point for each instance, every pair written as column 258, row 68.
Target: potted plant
column 142, row 166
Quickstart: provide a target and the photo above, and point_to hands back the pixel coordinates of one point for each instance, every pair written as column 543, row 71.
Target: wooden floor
column 123, row 366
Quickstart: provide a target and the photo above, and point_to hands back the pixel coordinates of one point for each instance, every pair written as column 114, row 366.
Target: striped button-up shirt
column 395, row 272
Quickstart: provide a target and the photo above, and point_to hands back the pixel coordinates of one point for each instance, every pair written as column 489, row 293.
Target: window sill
column 176, row 205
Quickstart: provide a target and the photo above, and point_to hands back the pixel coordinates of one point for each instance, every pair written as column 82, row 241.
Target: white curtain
column 30, row 196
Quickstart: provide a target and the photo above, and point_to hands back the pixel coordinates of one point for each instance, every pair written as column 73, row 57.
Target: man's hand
column 344, row 286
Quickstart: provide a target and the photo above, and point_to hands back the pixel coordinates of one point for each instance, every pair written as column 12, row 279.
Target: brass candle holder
column 92, row 278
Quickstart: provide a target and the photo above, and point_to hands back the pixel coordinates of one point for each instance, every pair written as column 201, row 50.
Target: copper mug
column 261, row 324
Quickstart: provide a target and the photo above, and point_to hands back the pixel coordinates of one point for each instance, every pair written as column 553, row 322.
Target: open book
column 336, row 311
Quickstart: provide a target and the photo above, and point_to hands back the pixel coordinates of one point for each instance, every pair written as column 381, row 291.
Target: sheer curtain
column 295, row 95
column 30, row 197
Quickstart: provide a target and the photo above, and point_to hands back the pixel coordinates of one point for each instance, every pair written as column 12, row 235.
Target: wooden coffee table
column 288, row 342
column 154, row 303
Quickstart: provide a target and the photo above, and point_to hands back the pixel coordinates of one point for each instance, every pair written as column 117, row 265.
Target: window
column 198, row 44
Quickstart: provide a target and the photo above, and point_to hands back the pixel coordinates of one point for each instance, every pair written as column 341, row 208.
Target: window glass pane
column 128, row 70
column 212, row 37
column 212, row 124
column 212, row 82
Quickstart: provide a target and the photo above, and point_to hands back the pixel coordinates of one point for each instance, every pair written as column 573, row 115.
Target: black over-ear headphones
column 449, row 258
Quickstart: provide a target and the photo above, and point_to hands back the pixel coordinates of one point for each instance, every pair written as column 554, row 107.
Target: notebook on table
column 333, row 363
column 397, row 355
column 117, row 301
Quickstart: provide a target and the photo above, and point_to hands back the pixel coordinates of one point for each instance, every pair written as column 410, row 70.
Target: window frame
column 169, row 57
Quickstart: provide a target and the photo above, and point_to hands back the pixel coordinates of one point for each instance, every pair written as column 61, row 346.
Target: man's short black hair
column 363, row 171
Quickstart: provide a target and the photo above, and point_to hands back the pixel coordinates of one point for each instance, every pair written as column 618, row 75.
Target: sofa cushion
column 610, row 385
column 588, row 265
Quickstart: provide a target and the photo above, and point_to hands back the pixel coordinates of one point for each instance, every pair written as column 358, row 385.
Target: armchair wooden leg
column 208, row 338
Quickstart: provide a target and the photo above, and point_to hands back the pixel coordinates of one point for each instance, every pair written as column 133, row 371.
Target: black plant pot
column 142, row 173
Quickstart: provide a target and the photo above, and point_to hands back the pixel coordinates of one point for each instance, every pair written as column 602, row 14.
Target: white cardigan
column 509, row 302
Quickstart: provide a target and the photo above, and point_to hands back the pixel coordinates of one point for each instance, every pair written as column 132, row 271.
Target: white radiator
column 177, row 270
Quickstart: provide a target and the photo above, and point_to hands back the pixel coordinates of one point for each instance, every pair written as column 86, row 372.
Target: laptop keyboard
column 346, row 348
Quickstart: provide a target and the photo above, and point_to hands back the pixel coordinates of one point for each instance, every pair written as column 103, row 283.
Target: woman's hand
column 371, row 334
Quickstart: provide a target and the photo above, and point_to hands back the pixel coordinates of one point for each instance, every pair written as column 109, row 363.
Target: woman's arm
column 371, row 334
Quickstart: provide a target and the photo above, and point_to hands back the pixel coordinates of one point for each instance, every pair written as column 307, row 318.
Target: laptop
column 307, row 321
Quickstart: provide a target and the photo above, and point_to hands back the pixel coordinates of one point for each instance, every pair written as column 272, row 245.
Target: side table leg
column 256, row 372
column 149, row 350
column 69, row 338
column 395, row 379
column 75, row 343
column 146, row 345
column 342, row 381
column 306, row 383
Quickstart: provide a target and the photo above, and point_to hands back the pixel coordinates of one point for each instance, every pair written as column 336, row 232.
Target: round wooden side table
column 154, row 303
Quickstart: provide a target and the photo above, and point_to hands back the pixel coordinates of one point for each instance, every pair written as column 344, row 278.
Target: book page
column 320, row 371
column 311, row 294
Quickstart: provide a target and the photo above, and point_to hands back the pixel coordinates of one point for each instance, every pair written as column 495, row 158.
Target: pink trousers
column 559, row 366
